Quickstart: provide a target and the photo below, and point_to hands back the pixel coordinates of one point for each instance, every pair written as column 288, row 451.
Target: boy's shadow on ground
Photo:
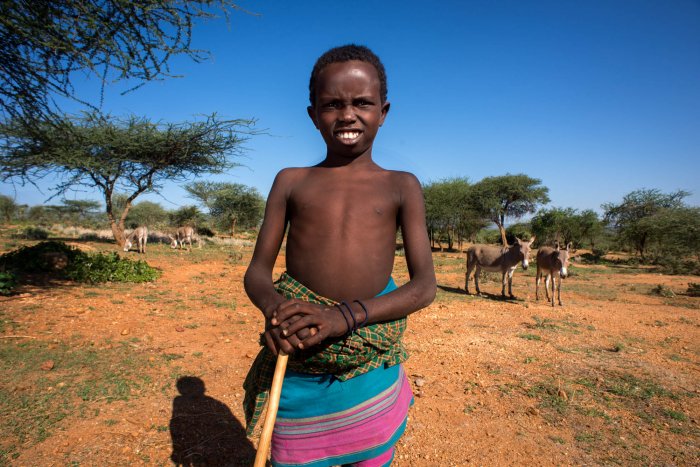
column 486, row 295
column 204, row 431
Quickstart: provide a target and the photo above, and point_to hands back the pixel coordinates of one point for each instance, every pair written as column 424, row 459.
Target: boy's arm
column 258, row 276
column 417, row 293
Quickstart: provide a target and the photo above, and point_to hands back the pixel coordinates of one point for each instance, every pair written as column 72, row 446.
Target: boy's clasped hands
column 296, row 325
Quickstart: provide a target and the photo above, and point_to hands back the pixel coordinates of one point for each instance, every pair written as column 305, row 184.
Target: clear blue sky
column 595, row 98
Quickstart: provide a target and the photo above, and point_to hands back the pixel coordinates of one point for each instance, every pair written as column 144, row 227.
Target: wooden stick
column 273, row 403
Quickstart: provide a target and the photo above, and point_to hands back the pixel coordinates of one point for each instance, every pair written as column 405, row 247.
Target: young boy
column 336, row 311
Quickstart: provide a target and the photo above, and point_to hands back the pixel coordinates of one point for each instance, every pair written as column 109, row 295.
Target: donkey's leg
column 538, row 276
column 546, row 285
column 477, row 273
column 470, row 268
column 554, row 282
column 559, row 290
column 510, row 282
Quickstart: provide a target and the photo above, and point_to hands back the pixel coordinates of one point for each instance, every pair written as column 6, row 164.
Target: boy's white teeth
column 349, row 134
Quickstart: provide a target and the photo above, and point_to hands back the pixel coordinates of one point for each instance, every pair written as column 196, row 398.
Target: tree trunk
column 503, row 235
column 233, row 227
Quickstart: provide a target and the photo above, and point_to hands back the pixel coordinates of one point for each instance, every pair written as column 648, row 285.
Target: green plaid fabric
column 364, row 350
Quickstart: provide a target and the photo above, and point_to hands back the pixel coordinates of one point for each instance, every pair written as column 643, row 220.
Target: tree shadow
column 204, row 431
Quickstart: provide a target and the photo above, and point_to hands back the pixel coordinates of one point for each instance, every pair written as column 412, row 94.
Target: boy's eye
column 362, row 103
column 332, row 104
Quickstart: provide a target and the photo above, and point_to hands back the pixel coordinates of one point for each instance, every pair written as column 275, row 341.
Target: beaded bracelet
column 364, row 321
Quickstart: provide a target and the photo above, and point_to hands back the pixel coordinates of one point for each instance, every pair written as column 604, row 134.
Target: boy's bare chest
column 335, row 199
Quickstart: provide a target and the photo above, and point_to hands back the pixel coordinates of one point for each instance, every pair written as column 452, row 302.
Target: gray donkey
column 139, row 237
column 494, row 258
column 552, row 263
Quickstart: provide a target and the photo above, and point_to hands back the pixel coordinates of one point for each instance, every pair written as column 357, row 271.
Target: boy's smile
column 348, row 110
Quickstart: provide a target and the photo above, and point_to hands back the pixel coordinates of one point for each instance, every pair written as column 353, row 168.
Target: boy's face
column 348, row 110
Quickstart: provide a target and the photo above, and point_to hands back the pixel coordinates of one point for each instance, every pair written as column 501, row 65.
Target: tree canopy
column 508, row 196
column 630, row 217
column 565, row 225
column 448, row 211
column 230, row 205
column 130, row 156
column 45, row 43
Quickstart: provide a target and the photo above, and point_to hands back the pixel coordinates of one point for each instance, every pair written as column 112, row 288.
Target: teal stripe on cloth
column 305, row 395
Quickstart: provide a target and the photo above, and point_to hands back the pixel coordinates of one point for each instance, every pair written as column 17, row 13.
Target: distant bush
column 676, row 265
column 662, row 291
column 693, row 289
column 34, row 233
column 8, row 282
column 62, row 261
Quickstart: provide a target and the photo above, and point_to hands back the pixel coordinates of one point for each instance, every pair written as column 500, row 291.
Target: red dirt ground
column 513, row 382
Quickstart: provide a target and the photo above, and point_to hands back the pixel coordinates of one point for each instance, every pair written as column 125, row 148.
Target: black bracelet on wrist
column 364, row 321
column 347, row 321
column 352, row 315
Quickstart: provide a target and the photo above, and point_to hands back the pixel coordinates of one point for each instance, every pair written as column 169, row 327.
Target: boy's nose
column 347, row 114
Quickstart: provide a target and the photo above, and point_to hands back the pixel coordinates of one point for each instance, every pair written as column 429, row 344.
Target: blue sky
column 595, row 98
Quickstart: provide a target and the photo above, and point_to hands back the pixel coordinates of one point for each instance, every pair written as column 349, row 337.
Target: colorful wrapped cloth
column 317, row 428
column 323, row 421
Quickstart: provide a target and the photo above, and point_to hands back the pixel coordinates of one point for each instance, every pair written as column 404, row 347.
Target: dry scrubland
column 90, row 373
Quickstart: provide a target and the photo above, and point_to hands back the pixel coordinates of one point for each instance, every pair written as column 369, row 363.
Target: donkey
column 182, row 235
column 139, row 237
column 552, row 263
column 494, row 258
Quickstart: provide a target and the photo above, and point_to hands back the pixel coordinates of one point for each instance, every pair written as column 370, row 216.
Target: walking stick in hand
column 272, row 406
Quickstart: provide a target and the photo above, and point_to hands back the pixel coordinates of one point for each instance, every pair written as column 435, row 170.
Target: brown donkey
column 553, row 263
column 497, row 259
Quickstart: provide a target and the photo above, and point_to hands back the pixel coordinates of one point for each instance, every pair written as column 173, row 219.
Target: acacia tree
column 44, row 43
column 449, row 214
column 627, row 217
column 130, row 156
column 8, row 208
column 230, row 205
column 566, row 225
column 507, row 196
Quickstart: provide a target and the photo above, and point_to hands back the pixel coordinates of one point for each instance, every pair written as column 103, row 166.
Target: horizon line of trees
column 228, row 207
column 659, row 228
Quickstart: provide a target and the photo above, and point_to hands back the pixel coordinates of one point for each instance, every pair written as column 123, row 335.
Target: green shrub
column 34, row 233
column 59, row 260
column 662, row 291
column 109, row 267
column 693, row 289
column 8, row 282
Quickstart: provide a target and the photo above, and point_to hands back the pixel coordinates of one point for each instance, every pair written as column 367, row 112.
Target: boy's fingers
column 311, row 341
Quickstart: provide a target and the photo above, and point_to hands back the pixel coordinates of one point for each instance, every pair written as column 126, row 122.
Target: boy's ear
column 385, row 111
column 312, row 115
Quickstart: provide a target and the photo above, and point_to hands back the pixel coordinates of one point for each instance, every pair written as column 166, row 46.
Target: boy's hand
column 305, row 324
column 276, row 340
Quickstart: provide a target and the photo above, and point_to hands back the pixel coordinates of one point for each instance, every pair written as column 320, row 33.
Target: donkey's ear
column 568, row 246
column 556, row 245
column 532, row 240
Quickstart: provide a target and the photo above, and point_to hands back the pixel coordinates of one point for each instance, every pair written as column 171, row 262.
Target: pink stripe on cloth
column 370, row 427
column 379, row 461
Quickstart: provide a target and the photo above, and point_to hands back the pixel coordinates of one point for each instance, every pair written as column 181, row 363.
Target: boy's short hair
column 345, row 53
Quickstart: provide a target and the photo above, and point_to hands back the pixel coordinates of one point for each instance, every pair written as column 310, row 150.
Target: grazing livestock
column 494, row 258
column 552, row 263
column 182, row 235
column 138, row 237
